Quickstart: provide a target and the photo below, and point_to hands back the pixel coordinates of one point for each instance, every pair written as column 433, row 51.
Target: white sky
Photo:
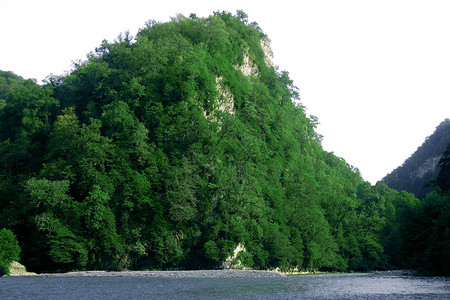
column 375, row 73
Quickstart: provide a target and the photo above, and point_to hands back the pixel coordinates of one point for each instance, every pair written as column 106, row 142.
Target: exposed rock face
column 17, row 269
column 268, row 54
column 429, row 165
column 232, row 262
column 226, row 99
column 248, row 68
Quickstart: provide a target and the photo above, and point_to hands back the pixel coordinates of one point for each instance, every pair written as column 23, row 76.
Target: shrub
column 9, row 250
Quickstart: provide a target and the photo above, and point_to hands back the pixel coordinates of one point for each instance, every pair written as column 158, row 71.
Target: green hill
column 174, row 148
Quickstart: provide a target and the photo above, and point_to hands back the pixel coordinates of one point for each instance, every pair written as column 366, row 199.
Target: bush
column 9, row 250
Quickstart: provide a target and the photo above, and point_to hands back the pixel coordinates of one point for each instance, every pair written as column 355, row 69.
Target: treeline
column 171, row 148
column 427, row 229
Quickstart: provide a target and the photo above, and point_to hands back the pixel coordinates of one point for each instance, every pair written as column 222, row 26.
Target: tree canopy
column 170, row 149
column 9, row 250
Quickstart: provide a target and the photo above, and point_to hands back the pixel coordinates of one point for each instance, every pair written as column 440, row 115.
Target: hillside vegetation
column 171, row 149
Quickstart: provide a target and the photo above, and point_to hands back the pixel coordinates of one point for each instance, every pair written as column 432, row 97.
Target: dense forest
column 418, row 173
column 170, row 149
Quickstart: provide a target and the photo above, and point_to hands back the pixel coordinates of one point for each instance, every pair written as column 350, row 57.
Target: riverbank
column 221, row 273
column 170, row 274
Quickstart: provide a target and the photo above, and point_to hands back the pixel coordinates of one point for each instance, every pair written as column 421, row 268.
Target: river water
column 200, row 285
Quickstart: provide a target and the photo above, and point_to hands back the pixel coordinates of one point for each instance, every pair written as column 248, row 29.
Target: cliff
column 418, row 172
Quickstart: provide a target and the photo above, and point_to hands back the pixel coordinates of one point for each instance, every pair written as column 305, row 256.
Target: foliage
column 165, row 151
column 9, row 250
column 8, row 81
column 443, row 178
column 426, row 233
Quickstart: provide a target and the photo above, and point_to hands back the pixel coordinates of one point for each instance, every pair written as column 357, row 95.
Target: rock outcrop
column 268, row 53
column 232, row 261
column 248, row 68
column 17, row 269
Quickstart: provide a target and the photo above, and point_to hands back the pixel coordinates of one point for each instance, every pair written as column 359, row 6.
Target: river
column 223, row 285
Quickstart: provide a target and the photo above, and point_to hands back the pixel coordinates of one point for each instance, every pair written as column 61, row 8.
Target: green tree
column 57, row 221
column 425, row 235
column 9, row 250
column 104, row 244
column 8, row 81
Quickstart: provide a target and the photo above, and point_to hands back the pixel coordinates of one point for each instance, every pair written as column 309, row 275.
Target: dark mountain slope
column 417, row 174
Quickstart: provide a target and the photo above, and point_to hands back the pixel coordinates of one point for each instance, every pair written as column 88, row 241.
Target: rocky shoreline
column 17, row 269
column 170, row 274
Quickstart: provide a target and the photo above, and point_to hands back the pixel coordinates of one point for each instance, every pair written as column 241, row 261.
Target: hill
column 417, row 174
column 182, row 148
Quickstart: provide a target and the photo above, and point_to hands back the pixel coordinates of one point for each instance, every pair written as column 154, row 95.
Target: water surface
column 383, row 285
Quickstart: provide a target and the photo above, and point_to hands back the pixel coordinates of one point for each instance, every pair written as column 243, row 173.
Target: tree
column 8, row 81
column 104, row 244
column 57, row 219
column 425, row 240
column 9, row 250
column 443, row 179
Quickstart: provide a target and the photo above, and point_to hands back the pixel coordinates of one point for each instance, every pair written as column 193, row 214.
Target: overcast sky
column 375, row 73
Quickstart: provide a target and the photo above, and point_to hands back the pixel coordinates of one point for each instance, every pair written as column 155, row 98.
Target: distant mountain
column 417, row 173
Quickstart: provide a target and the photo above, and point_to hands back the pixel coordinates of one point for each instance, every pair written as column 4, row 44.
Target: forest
column 170, row 149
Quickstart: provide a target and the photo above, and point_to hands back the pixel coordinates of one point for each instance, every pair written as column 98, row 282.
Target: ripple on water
column 231, row 285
